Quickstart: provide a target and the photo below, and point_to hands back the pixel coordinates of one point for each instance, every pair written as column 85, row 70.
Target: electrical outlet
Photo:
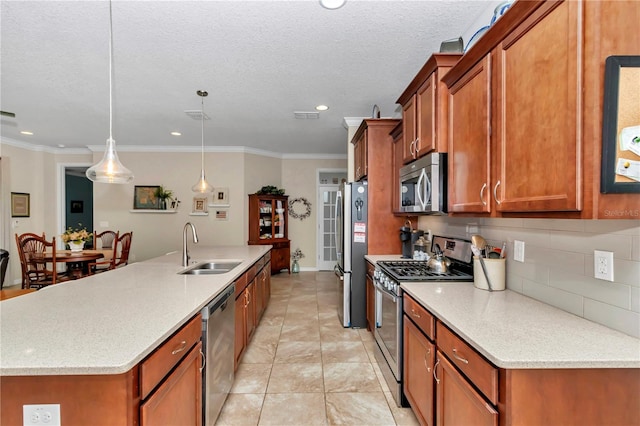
column 472, row 228
column 104, row 224
column 603, row 265
column 518, row 251
column 42, row 414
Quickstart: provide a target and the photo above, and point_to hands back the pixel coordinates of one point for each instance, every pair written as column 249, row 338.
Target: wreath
column 296, row 215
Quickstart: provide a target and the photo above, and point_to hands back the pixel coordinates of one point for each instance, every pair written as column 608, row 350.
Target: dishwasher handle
column 220, row 302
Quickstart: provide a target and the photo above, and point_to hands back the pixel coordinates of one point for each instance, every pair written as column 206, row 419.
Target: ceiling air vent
column 306, row 115
column 196, row 114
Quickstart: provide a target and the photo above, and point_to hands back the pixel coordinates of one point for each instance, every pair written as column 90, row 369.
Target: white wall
column 558, row 267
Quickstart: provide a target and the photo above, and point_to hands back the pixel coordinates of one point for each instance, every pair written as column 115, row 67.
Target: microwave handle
column 420, row 190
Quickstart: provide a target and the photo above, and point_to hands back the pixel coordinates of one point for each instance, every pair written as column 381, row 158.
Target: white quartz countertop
column 107, row 323
column 515, row 331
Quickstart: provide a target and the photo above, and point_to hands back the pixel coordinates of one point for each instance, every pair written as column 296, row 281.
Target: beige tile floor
column 303, row 368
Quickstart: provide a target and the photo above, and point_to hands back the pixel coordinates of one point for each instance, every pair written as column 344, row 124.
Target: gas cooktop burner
column 416, row 270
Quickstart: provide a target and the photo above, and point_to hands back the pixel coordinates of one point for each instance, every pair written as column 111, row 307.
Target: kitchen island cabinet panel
column 178, row 401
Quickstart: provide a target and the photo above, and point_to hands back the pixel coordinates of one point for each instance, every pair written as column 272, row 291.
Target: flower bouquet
column 76, row 238
column 296, row 255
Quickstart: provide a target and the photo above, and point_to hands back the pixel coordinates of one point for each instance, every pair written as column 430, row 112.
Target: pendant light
column 110, row 169
column 202, row 185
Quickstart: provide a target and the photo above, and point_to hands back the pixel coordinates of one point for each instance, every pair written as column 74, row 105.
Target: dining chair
column 4, row 261
column 21, row 253
column 107, row 263
column 32, row 248
column 106, row 238
column 124, row 242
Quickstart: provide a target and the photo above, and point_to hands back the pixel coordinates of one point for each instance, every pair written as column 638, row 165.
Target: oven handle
column 384, row 292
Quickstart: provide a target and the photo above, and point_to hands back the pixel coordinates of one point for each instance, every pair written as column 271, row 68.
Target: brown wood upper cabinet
column 424, row 109
column 525, row 111
column 360, row 156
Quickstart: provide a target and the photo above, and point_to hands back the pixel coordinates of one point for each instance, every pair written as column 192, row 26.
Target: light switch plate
column 41, row 415
column 518, row 251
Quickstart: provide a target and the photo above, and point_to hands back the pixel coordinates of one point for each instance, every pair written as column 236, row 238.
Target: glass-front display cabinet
column 268, row 220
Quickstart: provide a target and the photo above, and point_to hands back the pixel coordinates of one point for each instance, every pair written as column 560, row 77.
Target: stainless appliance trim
column 218, row 340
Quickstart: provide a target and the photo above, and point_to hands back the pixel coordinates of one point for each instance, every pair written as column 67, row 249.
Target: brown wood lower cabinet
column 471, row 391
column 418, row 385
column 458, row 403
column 371, row 298
column 177, row 401
column 253, row 291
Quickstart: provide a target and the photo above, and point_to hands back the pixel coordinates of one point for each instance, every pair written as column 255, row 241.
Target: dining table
column 78, row 261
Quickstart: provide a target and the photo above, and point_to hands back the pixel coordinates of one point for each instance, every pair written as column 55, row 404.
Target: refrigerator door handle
column 337, row 217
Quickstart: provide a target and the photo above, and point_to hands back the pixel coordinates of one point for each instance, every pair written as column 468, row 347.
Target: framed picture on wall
column 20, row 204
column 620, row 170
column 77, row 206
column 199, row 204
column 144, row 197
column 220, row 197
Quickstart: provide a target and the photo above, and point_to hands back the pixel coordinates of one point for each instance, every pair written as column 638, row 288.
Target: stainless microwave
column 423, row 185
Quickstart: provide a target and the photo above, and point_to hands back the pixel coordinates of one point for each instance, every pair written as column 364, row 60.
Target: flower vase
column 74, row 246
column 295, row 268
column 163, row 204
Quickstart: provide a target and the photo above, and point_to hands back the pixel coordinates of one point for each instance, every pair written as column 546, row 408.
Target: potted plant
column 76, row 238
column 163, row 194
column 296, row 255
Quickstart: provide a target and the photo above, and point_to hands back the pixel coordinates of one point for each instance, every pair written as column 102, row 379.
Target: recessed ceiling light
column 176, row 134
column 25, row 132
column 332, row 4
column 322, row 108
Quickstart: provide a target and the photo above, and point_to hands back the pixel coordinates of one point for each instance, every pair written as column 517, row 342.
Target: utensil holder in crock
column 495, row 270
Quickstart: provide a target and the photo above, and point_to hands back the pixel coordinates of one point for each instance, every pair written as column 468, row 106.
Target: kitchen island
column 83, row 336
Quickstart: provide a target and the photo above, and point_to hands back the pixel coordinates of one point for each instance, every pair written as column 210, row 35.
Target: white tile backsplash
column 558, row 267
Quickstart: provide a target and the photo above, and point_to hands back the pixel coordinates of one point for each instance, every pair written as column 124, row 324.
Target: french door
column 326, row 227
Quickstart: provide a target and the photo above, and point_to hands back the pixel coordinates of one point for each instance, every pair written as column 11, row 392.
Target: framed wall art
column 144, row 197
column 77, row 206
column 199, row 204
column 220, row 197
column 20, row 204
column 620, row 171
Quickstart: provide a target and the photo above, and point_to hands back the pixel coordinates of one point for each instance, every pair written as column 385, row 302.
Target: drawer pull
column 426, row 361
column 458, row 357
column 415, row 314
column 435, row 369
column 183, row 346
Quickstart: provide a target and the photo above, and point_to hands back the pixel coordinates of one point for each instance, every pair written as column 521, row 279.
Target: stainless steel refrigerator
column 351, row 247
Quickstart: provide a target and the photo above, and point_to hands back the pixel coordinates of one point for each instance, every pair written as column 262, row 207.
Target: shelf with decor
column 268, row 224
column 167, row 211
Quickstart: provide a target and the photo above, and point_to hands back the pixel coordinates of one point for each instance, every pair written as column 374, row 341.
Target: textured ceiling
column 259, row 60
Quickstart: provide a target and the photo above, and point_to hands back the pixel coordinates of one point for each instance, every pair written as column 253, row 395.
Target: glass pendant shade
column 202, row 185
column 110, row 169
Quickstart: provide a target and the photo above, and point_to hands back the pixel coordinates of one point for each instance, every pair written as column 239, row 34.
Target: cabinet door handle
column 412, row 149
column 426, row 361
column 204, row 361
column 417, row 146
column 415, row 314
column 458, row 357
column 484, row 203
column 435, row 370
column 183, row 346
column 495, row 193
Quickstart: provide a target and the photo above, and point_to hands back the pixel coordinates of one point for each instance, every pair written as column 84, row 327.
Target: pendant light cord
column 202, row 120
column 110, row 72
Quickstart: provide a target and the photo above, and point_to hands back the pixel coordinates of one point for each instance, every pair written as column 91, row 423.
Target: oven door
column 388, row 331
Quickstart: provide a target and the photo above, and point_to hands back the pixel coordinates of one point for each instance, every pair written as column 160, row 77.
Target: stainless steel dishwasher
column 218, row 339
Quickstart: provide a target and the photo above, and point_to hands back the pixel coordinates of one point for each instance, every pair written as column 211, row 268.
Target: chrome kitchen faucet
column 185, row 250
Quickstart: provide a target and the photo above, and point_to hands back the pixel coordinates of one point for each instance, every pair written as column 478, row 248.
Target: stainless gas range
column 388, row 277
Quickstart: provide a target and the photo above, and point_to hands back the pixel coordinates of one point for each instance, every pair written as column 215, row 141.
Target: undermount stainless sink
column 210, row 268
